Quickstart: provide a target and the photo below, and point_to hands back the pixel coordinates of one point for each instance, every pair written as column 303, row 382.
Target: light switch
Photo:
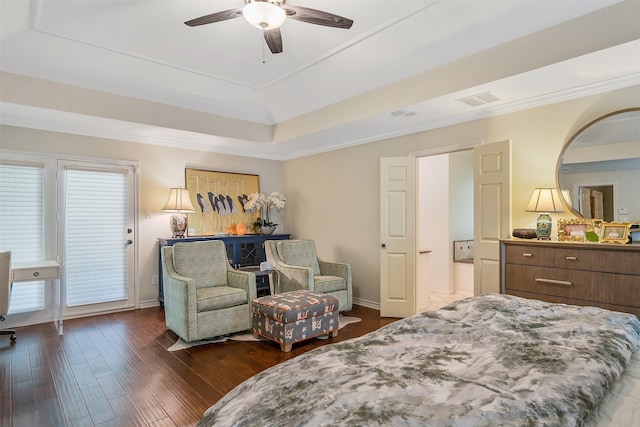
column 147, row 214
column 623, row 211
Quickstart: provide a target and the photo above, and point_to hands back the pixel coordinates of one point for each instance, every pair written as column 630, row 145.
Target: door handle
column 384, row 245
column 129, row 242
column 425, row 252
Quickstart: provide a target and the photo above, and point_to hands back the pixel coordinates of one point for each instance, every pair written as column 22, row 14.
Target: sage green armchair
column 203, row 296
column 298, row 267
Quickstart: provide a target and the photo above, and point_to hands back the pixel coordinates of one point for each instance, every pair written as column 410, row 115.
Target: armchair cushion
column 326, row 284
column 202, row 262
column 217, row 297
column 300, row 253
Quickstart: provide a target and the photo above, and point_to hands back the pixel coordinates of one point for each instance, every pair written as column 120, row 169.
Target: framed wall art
column 219, row 199
column 614, row 232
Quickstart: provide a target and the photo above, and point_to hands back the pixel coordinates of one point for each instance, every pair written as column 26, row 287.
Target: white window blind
column 96, row 220
column 22, row 228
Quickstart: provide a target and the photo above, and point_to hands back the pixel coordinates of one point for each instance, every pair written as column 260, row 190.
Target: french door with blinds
column 97, row 238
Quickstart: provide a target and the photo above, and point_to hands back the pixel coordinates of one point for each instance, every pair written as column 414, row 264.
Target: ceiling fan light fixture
column 264, row 15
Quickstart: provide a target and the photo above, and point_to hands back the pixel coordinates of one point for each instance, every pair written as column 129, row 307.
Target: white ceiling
column 330, row 88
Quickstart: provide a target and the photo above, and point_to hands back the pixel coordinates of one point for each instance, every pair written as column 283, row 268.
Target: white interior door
column 585, row 202
column 598, row 206
column 397, row 236
column 492, row 206
column 97, row 223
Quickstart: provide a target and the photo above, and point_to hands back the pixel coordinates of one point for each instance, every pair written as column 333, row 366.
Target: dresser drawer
column 33, row 274
column 574, row 259
column 616, row 262
column 558, row 281
column 529, row 255
column 626, row 290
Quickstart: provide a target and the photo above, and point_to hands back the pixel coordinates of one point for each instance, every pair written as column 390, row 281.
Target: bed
column 488, row 360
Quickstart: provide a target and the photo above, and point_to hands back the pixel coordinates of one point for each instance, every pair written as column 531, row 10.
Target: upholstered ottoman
column 294, row 316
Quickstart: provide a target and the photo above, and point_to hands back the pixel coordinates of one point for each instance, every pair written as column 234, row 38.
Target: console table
column 42, row 270
column 596, row 274
column 242, row 251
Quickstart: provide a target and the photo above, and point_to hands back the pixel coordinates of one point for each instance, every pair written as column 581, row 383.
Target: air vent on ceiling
column 479, row 99
column 402, row 113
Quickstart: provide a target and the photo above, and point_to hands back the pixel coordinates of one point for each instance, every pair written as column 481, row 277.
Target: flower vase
column 267, row 229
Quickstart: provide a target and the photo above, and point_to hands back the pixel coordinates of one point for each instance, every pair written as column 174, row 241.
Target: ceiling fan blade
column 215, row 17
column 318, row 17
column 274, row 40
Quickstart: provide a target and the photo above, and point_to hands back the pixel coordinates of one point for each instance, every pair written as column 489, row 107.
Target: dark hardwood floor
column 115, row 370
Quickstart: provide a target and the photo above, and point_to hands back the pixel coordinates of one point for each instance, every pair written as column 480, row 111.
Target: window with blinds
column 96, row 217
column 22, row 227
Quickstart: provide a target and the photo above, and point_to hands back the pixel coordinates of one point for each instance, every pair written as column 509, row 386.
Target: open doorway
column 597, row 202
column 445, row 215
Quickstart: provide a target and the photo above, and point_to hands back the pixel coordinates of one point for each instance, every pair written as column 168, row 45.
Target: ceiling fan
column 269, row 15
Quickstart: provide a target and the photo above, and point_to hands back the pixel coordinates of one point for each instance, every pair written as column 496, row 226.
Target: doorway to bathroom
column 444, row 264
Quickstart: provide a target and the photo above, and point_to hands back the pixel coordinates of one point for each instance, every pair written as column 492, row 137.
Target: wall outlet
column 155, row 279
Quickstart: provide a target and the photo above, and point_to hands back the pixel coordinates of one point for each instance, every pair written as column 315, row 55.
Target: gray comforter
column 491, row 360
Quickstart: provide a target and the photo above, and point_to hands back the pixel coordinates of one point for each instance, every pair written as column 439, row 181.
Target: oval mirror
column 598, row 172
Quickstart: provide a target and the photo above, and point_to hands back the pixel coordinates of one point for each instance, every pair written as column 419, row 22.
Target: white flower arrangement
column 263, row 203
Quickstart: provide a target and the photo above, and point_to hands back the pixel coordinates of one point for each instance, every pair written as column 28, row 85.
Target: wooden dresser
column 601, row 275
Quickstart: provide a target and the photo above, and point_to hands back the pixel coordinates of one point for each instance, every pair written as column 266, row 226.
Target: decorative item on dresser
column 179, row 204
column 606, row 276
column 545, row 201
column 612, row 232
column 578, row 230
column 263, row 204
column 242, row 251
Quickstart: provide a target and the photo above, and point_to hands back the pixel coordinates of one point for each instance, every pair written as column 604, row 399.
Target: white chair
column 5, row 290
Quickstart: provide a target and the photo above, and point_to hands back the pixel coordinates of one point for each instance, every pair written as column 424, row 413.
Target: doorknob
column 129, row 230
column 384, row 245
column 129, row 242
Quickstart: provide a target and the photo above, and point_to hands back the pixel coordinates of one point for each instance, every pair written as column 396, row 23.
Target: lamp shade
column 179, row 201
column 545, row 200
column 264, row 15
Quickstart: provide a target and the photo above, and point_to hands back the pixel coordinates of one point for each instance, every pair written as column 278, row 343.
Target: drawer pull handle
column 527, row 255
column 555, row 282
column 36, row 274
column 572, row 258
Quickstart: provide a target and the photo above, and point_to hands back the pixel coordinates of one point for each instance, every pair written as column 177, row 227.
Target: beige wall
column 334, row 199
column 159, row 169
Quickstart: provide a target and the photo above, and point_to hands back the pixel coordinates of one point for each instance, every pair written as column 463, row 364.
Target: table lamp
column 546, row 201
column 179, row 204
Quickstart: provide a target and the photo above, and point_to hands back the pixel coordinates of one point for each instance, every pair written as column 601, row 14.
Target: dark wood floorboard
column 114, row 370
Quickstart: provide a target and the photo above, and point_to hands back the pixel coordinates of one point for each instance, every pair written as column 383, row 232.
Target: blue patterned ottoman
column 295, row 316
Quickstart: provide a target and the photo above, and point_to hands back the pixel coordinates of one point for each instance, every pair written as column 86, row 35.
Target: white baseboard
column 439, row 291
column 149, row 303
column 368, row 304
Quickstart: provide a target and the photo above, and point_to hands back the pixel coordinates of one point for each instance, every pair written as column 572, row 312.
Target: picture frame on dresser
column 615, row 232
column 574, row 229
